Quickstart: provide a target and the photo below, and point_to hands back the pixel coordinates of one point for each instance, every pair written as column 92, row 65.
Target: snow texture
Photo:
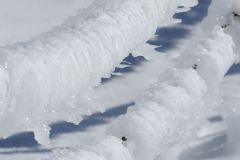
column 109, row 148
column 180, row 96
column 48, row 78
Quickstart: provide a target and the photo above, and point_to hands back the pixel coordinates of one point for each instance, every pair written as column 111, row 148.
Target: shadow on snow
column 26, row 139
column 165, row 40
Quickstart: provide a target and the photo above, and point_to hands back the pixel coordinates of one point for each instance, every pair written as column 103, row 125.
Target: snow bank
column 180, row 96
column 48, row 78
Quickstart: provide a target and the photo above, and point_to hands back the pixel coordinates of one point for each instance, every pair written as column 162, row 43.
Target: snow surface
column 174, row 102
column 25, row 19
column 51, row 74
column 179, row 96
column 236, row 6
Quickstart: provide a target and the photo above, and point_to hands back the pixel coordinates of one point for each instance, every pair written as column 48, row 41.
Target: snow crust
column 49, row 78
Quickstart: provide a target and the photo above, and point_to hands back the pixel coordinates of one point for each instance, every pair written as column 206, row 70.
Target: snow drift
column 46, row 79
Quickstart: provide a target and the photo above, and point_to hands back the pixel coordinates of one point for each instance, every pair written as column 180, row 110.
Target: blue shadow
column 196, row 14
column 131, row 61
column 89, row 121
column 26, row 139
column 235, row 69
column 166, row 38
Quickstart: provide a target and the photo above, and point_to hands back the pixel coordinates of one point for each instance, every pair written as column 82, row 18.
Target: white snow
column 180, row 96
column 51, row 74
column 109, row 148
column 53, row 77
column 25, row 19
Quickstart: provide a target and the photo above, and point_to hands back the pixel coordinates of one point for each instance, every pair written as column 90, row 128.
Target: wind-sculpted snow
column 49, row 78
column 180, row 96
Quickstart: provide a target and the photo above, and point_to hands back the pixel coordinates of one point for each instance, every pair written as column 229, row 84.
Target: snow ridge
column 50, row 75
column 183, row 95
column 180, row 96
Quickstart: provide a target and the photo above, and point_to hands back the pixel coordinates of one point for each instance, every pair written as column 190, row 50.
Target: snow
column 236, row 6
column 99, row 151
column 214, row 61
column 56, row 76
column 179, row 96
column 25, row 19
column 52, row 74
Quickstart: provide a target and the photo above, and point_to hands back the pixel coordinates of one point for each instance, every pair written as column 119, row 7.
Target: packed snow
column 180, row 98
